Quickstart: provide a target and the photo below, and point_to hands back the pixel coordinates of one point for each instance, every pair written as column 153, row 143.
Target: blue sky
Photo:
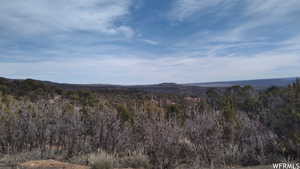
column 149, row 41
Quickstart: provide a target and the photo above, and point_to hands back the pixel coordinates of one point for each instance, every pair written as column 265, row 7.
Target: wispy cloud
column 271, row 7
column 260, row 23
column 36, row 16
column 182, row 9
column 151, row 42
column 186, row 8
column 176, row 68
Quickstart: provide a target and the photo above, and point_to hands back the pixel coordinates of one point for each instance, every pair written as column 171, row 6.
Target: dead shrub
column 135, row 159
column 102, row 160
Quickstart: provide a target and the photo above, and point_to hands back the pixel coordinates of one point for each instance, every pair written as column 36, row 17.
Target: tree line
column 231, row 126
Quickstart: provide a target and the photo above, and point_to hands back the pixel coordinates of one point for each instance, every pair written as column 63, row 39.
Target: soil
column 50, row 164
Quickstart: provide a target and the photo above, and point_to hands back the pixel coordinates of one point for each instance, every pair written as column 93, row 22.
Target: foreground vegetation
column 107, row 129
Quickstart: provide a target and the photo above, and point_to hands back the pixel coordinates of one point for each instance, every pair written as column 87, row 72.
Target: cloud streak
column 183, row 9
column 135, row 70
column 186, row 8
column 43, row 16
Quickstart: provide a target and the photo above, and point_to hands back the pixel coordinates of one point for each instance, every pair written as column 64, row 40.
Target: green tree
column 124, row 114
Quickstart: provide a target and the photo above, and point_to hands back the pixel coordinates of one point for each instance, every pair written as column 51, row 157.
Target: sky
column 149, row 41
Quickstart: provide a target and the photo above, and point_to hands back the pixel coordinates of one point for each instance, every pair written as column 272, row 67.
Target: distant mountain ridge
column 259, row 83
column 197, row 89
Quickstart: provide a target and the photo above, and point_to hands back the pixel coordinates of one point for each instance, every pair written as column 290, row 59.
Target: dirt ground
column 49, row 164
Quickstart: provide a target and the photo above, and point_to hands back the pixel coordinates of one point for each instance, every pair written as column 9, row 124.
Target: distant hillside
column 196, row 89
column 260, row 83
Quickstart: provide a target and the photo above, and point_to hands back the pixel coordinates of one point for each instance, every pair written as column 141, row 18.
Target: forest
column 230, row 126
